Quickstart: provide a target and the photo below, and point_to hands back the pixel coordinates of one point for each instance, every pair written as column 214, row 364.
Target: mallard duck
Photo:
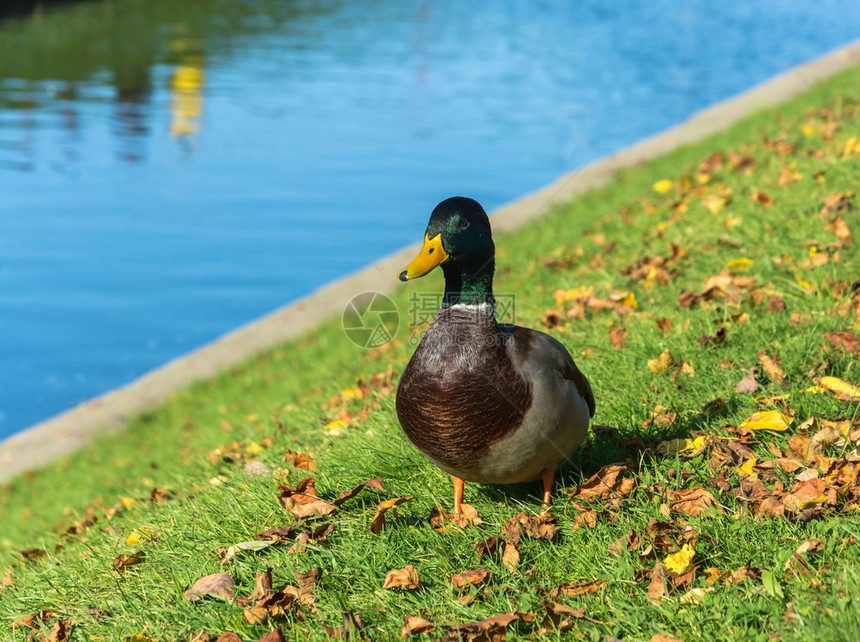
column 484, row 401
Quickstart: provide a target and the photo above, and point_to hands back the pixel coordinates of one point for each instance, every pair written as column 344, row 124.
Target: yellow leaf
column 807, row 130
column 733, row 221
column 768, row 420
column 563, row 296
column 842, row 389
column 746, row 468
column 139, row 535
column 351, row 393
column 661, row 363
column 254, row 448
column 663, row 186
column 687, row 369
column 127, row 502
column 333, row 427
column 740, row 264
column 681, row 562
column 714, row 204
column 852, row 146
column 674, row 446
column 252, row 418
column 806, row 285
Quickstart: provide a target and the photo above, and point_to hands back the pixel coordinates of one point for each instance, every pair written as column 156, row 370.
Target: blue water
column 138, row 222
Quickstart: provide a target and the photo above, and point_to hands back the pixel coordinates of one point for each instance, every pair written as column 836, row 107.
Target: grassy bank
column 669, row 286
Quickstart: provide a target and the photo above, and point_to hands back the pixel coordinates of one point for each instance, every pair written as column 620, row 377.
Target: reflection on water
column 137, row 222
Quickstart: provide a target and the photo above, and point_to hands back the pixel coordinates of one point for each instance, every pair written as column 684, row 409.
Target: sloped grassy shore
column 715, row 283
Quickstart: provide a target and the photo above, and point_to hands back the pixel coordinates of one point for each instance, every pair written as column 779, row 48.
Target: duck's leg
column 458, row 495
column 548, row 476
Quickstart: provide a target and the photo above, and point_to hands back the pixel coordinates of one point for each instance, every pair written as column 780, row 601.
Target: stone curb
column 75, row 428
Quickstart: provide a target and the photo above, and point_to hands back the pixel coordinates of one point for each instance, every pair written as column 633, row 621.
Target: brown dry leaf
column 375, row 483
column 511, row 557
column 845, row 341
column 274, row 636
column 585, row 519
column 542, row 526
column 228, row 636
column 378, row 522
column 309, row 579
column 31, row 621
column 606, row 483
column 761, row 198
column 469, row 516
column 694, row 502
column 301, row 460
column 401, row 578
column 662, row 363
column 573, row 590
column 120, row 562
column 489, row 630
column 414, row 625
column 770, row 507
column 513, row 531
column 60, row 632
column 839, row 228
column 302, row 501
column 772, row 367
column 474, row 577
column 618, row 337
column 657, row 585
column 217, row 584
column 806, row 494
column 489, row 546
column 628, row 541
column 664, row 325
column 663, row 637
column 560, row 616
column 748, row 385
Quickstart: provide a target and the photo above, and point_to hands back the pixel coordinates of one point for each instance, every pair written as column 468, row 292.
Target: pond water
column 172, row 170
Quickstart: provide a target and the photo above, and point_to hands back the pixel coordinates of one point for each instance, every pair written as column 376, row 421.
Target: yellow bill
column 432, row 254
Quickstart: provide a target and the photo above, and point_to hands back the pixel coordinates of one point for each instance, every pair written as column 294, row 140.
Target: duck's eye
column 463, row 224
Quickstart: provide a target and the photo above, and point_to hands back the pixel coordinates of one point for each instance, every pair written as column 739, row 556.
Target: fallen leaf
column 768, row 420
column 217, row 584
column 696, row 594
column 573, row 590
column 375, row 483
column 560, row 616
column 806, row 494
column 541, row 526
column 694, row 502
column 662, row 186
column 414, row 624
column 511, row 557
column 120, row 562
column 378, row 522
column 761, row 198
column 468, row 516
column 844, row 390
column 256, row 545
column 772, row 367
column 662, row 363
column 845, row 341
column 274, row 636
column 309, row 579
column 663, row 637
column 401, row 578
column 302, row 501
column 618, row 337
column 748, row 385
column 474, row 577
column 489, row 546
column 657, row 587
column 606, row 483
column 680, row 563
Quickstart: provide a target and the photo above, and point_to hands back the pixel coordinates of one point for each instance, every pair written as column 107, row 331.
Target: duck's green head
column 458, row 238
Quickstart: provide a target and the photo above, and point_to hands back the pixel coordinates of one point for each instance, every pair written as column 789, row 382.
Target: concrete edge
column 71, row 430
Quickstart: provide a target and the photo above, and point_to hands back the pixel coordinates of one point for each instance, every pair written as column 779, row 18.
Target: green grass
column 281, row 400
